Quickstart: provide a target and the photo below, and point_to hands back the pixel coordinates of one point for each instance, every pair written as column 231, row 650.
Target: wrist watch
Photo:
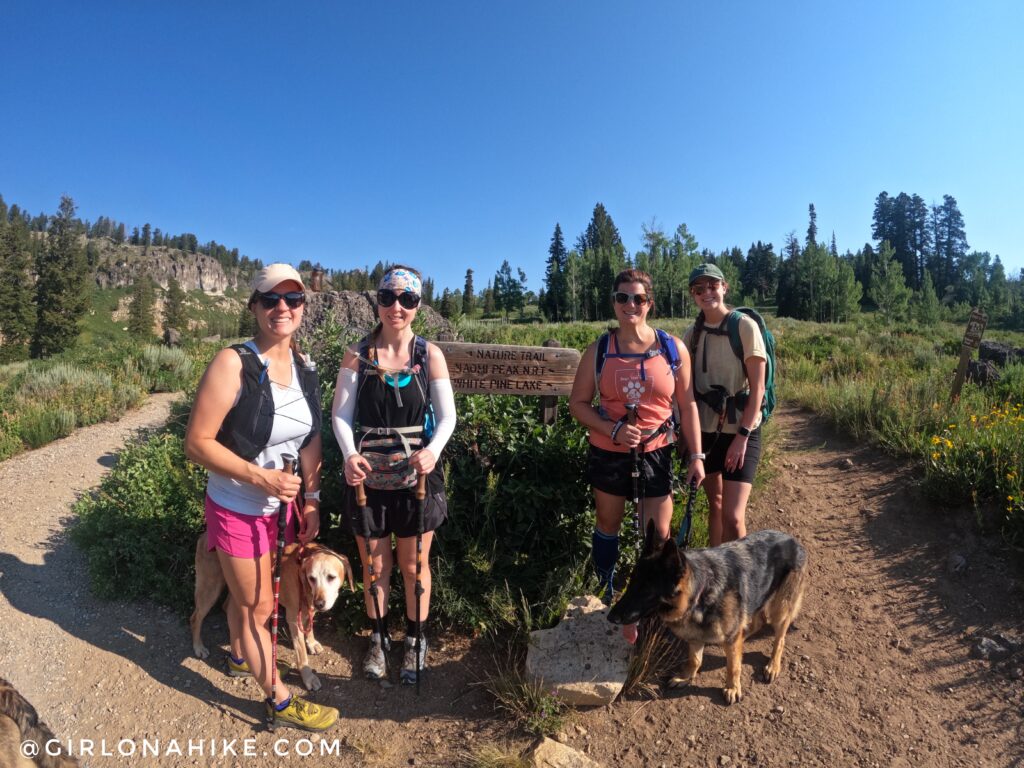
column 695, row 456
column 743, row 431
column 312, row 495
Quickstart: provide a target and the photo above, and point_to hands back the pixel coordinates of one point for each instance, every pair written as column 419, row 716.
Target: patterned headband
column 400, row 281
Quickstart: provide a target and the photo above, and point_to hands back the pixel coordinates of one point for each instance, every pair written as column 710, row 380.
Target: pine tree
column 812, row 227
column 467, row 294
column 889, row 289
column 554, row 304
column 446, row 304
column 61, row 288
column 428, row 291
column 140, row 311
column 926, row 308
column 489, row 305
column 17, row 313
column 174, row 305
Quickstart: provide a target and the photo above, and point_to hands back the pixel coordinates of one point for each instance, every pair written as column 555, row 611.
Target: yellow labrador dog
column 307, row 585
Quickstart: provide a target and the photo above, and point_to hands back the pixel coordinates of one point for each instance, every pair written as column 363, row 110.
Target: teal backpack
column 732, row 329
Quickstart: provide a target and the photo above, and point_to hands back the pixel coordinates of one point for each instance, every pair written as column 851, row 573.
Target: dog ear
column 672, row 557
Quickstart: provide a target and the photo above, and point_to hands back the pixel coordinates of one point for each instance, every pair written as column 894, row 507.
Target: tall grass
column 891, row 386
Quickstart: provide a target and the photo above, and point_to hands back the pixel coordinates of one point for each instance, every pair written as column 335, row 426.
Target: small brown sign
column 975, row 328
column 500, row 369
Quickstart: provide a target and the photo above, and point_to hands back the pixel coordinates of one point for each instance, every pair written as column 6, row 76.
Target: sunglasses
column 294, row 299
column 640, row 299
column 387, row 297
column 698, row 288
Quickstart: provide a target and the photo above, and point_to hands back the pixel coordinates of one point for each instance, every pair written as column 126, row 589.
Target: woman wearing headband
column 393, row 412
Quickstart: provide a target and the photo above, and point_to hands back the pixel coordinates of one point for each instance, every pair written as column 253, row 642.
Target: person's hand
column 736, row 454
column 310, row 523
column 282, row 485
column 695, row 473
column 356, row 468
column 423, row 461
column 630, row 435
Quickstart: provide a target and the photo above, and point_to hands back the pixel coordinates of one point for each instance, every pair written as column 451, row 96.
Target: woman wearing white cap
column 393, row 412
column 257, row 402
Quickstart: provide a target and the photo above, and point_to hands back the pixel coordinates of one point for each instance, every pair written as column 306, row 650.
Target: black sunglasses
column 386, row 297
column 640, row 299
column 294, row 299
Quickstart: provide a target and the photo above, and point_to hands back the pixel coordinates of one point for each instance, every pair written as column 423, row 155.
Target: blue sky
column 452, row 135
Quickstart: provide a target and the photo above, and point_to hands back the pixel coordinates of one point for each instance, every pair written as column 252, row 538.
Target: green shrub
column 42, row 425
column 163, row 369
column 139, row 529
column 10, row 435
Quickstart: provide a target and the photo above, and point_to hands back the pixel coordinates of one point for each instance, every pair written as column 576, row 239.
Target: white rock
column 584, row 659
column 550, row 754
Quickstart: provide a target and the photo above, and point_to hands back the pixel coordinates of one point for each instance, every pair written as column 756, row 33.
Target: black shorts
column 715, row 447
column 612, row 472
column 397, row 512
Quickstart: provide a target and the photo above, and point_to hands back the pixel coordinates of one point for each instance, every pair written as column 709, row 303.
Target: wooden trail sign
column 501, row 369
column 972, row 340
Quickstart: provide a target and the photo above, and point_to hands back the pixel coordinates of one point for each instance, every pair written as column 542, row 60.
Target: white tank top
column 292, row 422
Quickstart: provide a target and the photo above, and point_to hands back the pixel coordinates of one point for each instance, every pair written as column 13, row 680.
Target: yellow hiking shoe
column 243, row 669
column 304, row 715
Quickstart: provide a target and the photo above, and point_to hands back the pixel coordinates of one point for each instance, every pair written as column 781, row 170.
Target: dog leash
column 683, row 537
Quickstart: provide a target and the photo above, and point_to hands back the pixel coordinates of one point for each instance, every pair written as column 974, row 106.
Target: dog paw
column 681, row 682
column 771, row 673
column 314, row 647
column 201, row 651
column 732, row 695
column 310, row 680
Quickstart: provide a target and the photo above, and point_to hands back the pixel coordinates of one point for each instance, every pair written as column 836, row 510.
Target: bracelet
column 695, row 456
column 312, row 495
column 615, row 430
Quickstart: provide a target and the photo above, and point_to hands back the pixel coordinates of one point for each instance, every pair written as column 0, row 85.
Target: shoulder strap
column 734, row 333
column 600, row 354
column 668, row 348
column 253, row 368
column 421, row 358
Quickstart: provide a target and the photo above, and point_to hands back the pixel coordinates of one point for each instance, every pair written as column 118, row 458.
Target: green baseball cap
column 706, row 270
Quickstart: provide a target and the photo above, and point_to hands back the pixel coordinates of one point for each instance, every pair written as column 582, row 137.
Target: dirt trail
column 878, row 670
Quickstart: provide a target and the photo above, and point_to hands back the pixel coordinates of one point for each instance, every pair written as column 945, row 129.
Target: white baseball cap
column 272, row 274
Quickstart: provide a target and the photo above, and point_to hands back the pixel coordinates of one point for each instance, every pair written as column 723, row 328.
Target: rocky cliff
column 118, row 266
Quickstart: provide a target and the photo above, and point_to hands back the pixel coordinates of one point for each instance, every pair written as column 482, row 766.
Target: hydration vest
column 246, row 428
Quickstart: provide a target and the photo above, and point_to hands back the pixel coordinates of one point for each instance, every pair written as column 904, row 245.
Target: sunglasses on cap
column 640, row 299
column 386, row 297
column 269, row 300
column 698, row 288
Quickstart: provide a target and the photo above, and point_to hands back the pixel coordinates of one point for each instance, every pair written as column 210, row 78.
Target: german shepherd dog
column 20, row 723
column 718, row 595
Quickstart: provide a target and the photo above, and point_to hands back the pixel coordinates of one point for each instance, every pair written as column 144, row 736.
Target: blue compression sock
column 605, row 553
column 238, row 662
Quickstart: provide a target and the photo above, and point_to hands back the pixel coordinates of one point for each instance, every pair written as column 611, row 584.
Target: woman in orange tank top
column 636, row 373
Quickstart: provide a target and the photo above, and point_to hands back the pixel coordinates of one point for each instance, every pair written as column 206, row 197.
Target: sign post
column 500, row 369
column 972, row 340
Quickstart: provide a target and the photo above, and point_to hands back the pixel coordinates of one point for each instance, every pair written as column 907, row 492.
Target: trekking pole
column 365, row 513
column 421, row 503
column 631, row 417
column 288, row 467
column 683, row 537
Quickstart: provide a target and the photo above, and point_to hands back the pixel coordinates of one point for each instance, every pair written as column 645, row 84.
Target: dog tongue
column 629, row 631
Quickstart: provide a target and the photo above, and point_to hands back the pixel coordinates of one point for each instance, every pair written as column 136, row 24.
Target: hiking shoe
column 243, row 670
column 408, row 673
column 304, row 715
column 374, row 663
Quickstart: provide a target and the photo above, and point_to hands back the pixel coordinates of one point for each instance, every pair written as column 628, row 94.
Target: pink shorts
column 248, row 536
